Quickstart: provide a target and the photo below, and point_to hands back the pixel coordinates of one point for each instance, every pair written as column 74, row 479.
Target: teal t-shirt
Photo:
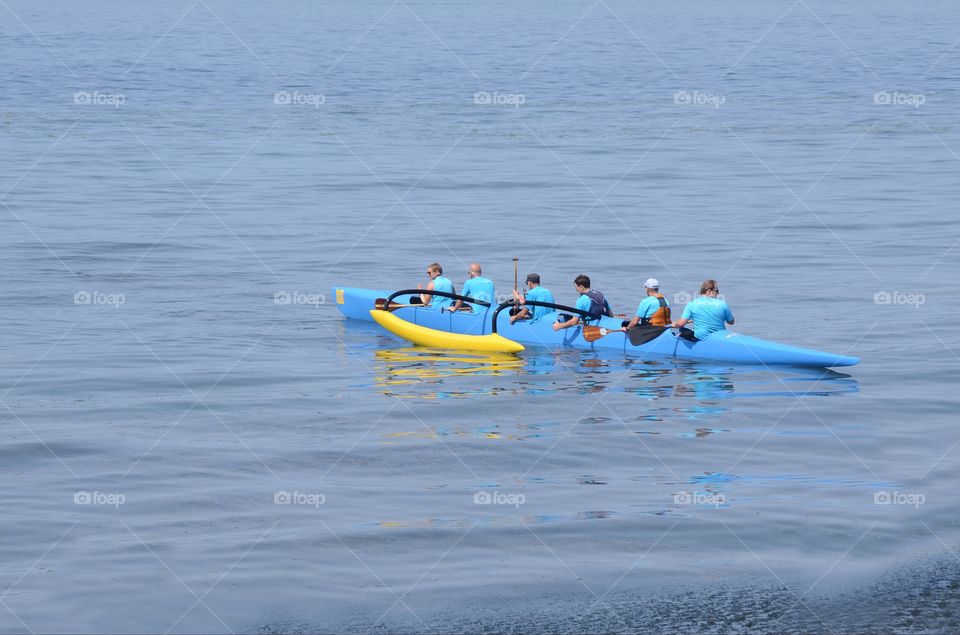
column 444, row 285
column 539, row 294
column 584, row 304
column 708, row 315
column 479, row 288
column 648, row 306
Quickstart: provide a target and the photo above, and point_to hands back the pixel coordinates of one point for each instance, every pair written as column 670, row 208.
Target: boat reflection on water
column 429, row 367
column 428, row 373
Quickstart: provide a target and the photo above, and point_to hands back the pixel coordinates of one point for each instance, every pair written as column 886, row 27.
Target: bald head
column 474, row 269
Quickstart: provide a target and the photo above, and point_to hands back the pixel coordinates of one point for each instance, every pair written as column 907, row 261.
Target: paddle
column 593, row 333
column 638, row 335
column 380, row 304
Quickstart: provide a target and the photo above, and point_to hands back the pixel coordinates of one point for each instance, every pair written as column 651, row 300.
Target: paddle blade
column 593, row 333
column 640, row 335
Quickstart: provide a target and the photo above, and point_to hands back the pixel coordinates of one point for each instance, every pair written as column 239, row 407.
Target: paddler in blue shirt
column 590, row 301
column 708, row 313
column 437, row 283
column 653, row 309
column 476, row 287
column 535, row 293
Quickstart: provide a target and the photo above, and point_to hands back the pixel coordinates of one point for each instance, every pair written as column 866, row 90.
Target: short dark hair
column 582, row 281
column 436, row 267
column 534, row 278
column 708, row 285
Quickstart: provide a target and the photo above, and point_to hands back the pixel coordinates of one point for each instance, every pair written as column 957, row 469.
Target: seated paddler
column 476, row 287
column 590, row 301
column 437, row 283
column 653, row 310
column 535, row 293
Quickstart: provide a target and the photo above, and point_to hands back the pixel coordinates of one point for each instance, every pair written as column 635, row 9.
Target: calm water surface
column 183, row 450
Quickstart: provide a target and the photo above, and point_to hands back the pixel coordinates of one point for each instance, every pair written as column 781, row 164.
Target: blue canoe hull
column 723, row 346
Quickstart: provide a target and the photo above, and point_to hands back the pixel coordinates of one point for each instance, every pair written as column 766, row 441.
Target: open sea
column 193, row 439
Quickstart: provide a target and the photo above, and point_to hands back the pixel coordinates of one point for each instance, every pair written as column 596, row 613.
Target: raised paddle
column 516, row 278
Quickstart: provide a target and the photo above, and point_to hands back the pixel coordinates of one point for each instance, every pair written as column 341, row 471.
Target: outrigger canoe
column 429, row 326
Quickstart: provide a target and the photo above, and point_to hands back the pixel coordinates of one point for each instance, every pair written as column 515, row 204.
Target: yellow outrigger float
column 423, row 336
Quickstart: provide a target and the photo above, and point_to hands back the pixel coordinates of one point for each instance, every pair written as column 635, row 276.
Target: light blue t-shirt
column 584, row 304
column 648, row 306
column 444, row 285
column 479, row 288
column 539, row 294
column 708, row 315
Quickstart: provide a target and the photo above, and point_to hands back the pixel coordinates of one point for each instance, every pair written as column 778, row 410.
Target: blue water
column 184, row 450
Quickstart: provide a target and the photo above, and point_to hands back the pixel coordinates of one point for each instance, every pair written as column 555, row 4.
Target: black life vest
column 599, row 306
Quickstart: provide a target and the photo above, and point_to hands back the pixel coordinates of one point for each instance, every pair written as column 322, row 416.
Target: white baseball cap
column 652, row 283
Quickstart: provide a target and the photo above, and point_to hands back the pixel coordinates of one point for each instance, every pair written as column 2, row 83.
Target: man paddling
column 708, row 313
column 653, row 309
column 437, row 283
column 476, row 287
column 535, row 293
column 590, row 301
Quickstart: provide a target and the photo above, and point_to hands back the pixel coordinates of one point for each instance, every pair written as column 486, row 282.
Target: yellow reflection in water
column 402, row 366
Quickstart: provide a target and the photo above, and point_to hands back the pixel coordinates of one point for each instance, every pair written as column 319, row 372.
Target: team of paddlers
column 707, row 312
